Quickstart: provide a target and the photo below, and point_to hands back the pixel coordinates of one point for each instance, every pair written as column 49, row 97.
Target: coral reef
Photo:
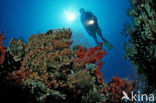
column 47, row 70
column 8, row 65
column 141, row 49
column 2, row 49
column 42, row 57
column 17, row 49
column 92, row 55
column 116, row 87
column 50, row 66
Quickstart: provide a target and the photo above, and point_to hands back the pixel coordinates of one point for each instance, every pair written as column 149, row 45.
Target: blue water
column 22, row 18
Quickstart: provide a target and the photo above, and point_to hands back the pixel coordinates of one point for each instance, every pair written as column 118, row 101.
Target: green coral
column 142, row 43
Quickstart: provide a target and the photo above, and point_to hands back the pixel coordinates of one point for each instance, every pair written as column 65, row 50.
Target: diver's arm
column 93, row 17
column 84, row 24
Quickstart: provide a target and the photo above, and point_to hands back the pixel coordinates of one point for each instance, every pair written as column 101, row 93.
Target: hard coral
column 2, row 49
column 44, row 51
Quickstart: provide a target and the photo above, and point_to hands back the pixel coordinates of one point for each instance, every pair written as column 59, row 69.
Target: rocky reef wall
column 141, row 49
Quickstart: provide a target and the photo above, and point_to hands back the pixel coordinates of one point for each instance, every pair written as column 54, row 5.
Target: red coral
column 69, row 43
column 92, row 55
column 116, row 87
column 2, row 49
column 18, row 76
column 87, row 70
column 101, row 44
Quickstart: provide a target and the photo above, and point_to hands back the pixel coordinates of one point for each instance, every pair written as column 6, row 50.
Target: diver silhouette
column 89, row 22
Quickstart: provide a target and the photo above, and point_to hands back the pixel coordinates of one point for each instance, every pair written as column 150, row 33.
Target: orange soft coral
column 2, row 49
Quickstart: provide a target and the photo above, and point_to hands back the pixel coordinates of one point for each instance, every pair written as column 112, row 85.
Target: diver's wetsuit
column 92, row 29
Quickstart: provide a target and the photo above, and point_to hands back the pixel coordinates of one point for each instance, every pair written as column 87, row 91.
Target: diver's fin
column 108, row 45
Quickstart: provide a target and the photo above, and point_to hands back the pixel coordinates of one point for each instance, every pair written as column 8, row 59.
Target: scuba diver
column 89, row 21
